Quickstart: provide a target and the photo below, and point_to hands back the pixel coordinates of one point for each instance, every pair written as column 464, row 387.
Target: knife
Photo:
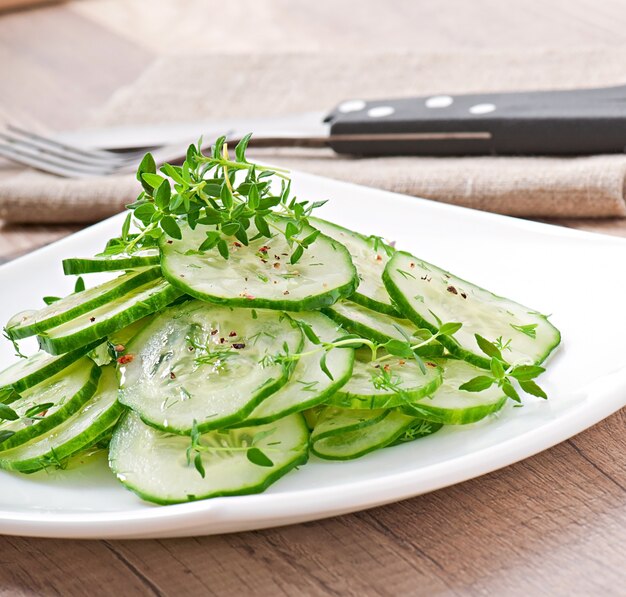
column 568, row 122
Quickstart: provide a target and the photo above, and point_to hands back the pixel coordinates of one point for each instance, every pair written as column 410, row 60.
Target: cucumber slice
column 452, row 406
column 109, row 318
column 73, row 435
column 66, row 392
column 154, row 464
column 205, row 363
column 28, row 372
column 308, row 385
column 399, row 382
column 379, row 327
column 369, row 255
column 343, row 434
column 421, row 289
column 110, row 263
column 29, row 323
column 260, row 274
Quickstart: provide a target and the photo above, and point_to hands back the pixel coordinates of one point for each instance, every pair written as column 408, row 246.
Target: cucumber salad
column 240, row 335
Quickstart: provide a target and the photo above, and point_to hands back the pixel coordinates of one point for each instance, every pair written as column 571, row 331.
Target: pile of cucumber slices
column 204, row 376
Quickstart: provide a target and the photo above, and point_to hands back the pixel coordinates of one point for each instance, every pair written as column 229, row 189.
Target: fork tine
column 46, row 142
column 48, row 146
column 35, row 149
column 53, row 164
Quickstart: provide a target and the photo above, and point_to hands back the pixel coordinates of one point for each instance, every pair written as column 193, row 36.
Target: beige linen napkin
column 185, row 88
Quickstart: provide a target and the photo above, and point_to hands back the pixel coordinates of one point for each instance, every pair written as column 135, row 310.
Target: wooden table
column 554, row 524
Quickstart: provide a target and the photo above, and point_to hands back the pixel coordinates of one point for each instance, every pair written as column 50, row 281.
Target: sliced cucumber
column 110, row 263
column 65, row 393
column 260, row 274
column 369, row 255
column 452, row 406
column 421, row 289
column 30, row 323
column 308, row 385
column 393, row 383
column 379, row 327
column 342, row 434
column 75, row 434
column 206, row 363
column 154, row 463
column 109, row 318
column 28, row 372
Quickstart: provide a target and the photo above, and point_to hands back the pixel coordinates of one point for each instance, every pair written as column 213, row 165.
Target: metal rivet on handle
column 439, row 101
column 351, row 106
column 482, row 108
column 380, row 111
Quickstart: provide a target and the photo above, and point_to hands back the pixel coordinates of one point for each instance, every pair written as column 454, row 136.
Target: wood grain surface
column 554, row 524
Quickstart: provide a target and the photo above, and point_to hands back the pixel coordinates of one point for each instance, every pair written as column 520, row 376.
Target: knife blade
column 567, row 122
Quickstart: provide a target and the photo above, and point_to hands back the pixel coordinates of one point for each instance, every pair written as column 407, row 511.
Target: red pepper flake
column 239, row 345
column 213, row 332
column 277, row 265
column 125, row 359
column 401, row 362
column 387, row 368
column 92, row 319
column 429, row 364
column 452, row 289
column 264, row 249
column 119, row 348
column 43, row 413
column 379, row 258
column 232, row 334
column 248, row 296
column 236, row 244
column 172, row 375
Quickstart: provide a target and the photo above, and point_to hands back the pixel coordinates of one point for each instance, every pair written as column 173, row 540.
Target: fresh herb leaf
column 526, row 372
column 477, row 384
column 256, row 456
column 490, row 349
column 7, row 413
column 530, row 387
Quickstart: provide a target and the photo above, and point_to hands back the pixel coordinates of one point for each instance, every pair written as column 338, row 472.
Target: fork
column 45, row 154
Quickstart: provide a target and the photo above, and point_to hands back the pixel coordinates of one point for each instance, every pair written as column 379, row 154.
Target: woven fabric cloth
column 185, row 88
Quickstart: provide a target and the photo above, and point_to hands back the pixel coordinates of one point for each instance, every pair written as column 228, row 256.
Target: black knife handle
column 582, row 121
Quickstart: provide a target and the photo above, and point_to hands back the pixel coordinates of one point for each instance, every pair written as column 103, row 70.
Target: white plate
column 578, row 277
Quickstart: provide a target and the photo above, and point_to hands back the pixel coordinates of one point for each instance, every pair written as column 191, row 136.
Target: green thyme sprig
column 503, row 375
column 13, row 341
column 407, row 348
column 208, row 189
column 253, row 453
column 34, row 413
